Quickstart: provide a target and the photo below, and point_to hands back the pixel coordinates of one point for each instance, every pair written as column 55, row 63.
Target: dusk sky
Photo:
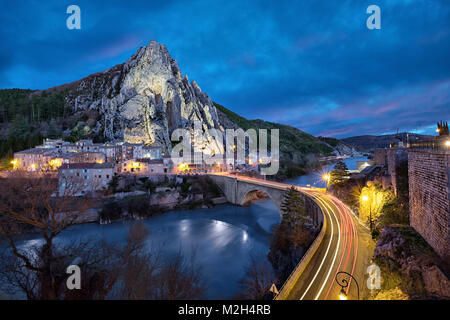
column 310, row 64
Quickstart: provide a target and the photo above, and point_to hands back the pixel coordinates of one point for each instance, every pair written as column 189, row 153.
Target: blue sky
column 310, row 64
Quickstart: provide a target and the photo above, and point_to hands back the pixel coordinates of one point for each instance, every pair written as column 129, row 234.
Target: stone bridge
column 240, row 190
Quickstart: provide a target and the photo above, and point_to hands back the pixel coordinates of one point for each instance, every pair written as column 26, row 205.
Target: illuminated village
column 91, row 166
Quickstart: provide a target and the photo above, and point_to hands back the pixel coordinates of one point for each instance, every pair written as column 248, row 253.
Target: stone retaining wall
column 429, row 197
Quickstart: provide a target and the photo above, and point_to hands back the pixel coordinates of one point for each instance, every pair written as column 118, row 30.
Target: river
column 223, row 238
column 315, row 179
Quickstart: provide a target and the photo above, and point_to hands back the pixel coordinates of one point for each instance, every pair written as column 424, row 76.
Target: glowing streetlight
column 344, row 284
column 182, row 167
column 447, row 143
column 343, row 295
column 365, row 199
column 326, row 177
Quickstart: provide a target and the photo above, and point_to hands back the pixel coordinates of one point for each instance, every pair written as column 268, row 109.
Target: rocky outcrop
column 436, row 283
column 144, row 100
column 402, row 251
column 343, row 149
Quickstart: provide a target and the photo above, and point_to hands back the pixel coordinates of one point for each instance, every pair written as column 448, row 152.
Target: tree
column 258, row 280
column 373, row 199
column 293, row 207
column 129, row 271
column 339, row 173
column 113, row 184
column 291, row 238
column 29, row 202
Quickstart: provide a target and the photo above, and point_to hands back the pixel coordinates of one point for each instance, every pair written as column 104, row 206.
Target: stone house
column 144, row 166
column 76, row 179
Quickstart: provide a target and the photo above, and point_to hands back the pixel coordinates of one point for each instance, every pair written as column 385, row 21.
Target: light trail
column 326, row 253
column 345, row 236
column 344, row 225
column 335, row 254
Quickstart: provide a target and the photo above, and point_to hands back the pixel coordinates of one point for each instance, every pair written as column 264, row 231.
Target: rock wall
column 429, row 197
column 395, row 157
column 398, row 250
column 144, row 100
column 380, row 156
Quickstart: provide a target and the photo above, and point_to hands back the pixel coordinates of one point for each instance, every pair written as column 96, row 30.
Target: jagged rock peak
column 145, row 99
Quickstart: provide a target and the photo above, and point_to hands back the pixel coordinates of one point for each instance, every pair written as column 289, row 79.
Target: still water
column 223, row 239
column 314, row 179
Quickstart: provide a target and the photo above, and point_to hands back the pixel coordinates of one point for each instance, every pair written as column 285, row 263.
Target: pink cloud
column 116, row 48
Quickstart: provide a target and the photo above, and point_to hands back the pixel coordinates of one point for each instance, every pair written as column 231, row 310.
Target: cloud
column 312, row 64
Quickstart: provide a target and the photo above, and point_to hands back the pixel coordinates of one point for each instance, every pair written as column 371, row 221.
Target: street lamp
column 342, row 295
column 366, row 198
column 344, row 284
column 326, row 178
column 447, row 143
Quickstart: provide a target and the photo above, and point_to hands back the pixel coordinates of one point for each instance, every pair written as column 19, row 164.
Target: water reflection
column 315, row 179
column 223, row 239
column 244, row 236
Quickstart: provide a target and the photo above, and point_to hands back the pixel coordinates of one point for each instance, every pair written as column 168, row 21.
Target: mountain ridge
column 365, row 143
column 141, row 100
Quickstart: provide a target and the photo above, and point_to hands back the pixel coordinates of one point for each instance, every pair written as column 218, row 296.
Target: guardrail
column 293, row 277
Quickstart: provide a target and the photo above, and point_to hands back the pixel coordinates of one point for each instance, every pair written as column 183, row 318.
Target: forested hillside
column 27, row 116
column 299, row 150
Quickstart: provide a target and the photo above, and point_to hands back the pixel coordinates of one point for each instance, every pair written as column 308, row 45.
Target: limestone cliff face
column 145, row 99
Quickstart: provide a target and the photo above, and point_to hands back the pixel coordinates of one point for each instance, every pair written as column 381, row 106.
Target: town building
column 151, row 152
column 77, row 179
column 37, row 159
column 144, row 166
column 131, row 151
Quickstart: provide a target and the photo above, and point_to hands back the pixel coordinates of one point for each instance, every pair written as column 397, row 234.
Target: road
column 346, row 246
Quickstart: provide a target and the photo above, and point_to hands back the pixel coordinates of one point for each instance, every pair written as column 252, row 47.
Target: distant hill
column 298, row 150
column 368, row 142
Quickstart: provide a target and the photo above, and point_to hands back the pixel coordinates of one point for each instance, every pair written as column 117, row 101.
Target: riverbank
column 192, row 192
column 221, row 240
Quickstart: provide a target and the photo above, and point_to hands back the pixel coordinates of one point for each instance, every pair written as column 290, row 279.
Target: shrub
column 111, row 211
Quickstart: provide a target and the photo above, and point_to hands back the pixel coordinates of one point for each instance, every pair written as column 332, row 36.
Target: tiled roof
column 36, row 151
column 87, row 166
column 151, row 161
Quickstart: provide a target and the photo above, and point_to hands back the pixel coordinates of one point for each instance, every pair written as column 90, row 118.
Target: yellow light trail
column 335, row 254
column 326, row 252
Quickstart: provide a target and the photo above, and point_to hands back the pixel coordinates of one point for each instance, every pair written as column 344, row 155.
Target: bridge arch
column 246, row 190
column 237, row 190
